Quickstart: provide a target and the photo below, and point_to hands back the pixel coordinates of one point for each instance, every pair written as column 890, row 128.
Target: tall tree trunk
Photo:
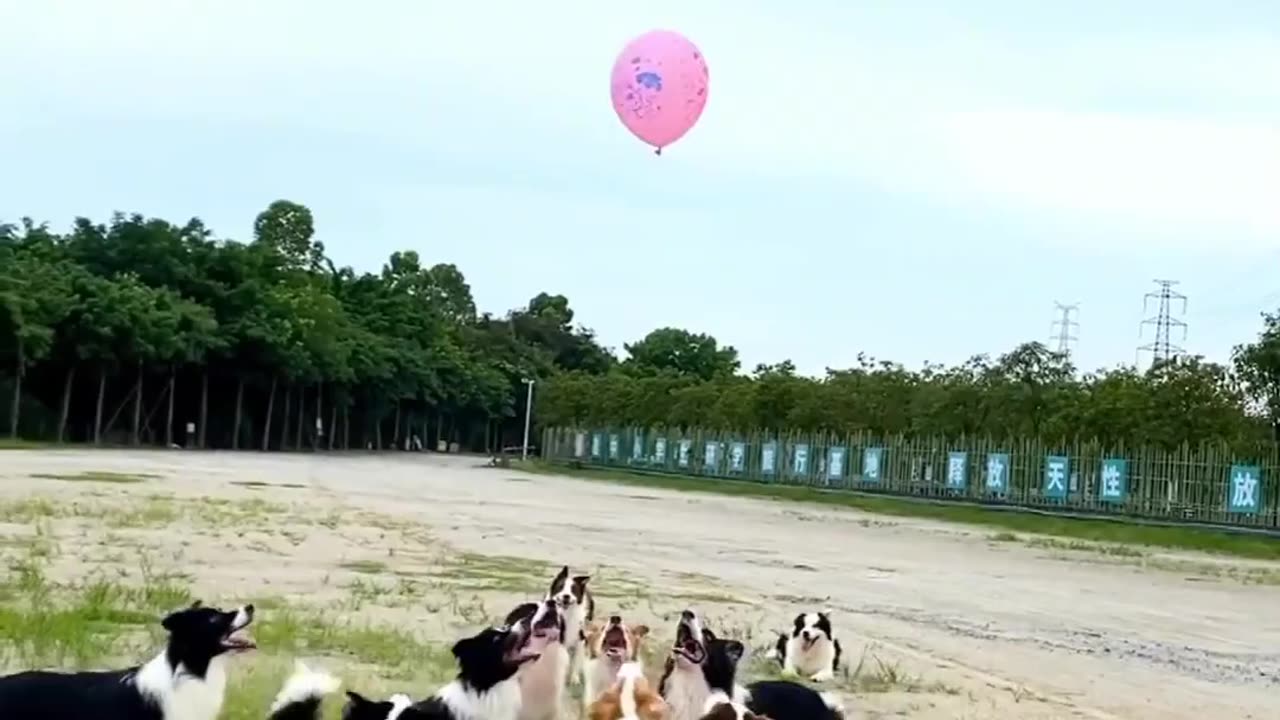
column 15, row 405
column 302, row 407
column 377, row 433
column 204, row 407
column 315, row 443
column 235, row 426
column 137, row 407
column 97, row 415
column 488, row 433
column 395, row 435
column 168, row 423
column 266, row 426
column 284, row 420
column 333, row 423
column 346, row 428
column 66, row 402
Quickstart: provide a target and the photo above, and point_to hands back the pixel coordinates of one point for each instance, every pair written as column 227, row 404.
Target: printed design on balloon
column 642, row 92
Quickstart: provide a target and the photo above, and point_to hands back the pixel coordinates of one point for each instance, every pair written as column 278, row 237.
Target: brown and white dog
column 630, row 697
column 608, row 647
column 578, row 608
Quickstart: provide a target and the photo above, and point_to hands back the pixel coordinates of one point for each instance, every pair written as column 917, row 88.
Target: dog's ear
column 825, row 612
column 580, row 581
column 196, row 604
column 356, row 697
column 172, row 621
column 559, row 579
column 734, row 650
column 640, row 631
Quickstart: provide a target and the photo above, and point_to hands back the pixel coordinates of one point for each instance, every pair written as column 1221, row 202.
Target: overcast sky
column 916, row 179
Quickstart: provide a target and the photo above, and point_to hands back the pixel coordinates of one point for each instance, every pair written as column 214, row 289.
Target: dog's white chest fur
column 598, row 675
column 181, row 695
column 813, row 662
column 501, row 702
column 686, row 693
column 542, row 684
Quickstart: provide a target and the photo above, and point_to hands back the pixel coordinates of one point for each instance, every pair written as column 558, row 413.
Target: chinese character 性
column 873, row 464
column 955, row 470
column 1111, row 481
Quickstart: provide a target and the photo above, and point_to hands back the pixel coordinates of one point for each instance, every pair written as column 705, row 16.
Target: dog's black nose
column 687, row 615
column 615, row 619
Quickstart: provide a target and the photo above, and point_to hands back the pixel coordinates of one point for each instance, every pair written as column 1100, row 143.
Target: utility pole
column 528, row 412
column 1063, row 325
column 1161, row 346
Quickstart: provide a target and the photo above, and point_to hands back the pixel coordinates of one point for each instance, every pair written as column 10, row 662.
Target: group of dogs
column 517, row 671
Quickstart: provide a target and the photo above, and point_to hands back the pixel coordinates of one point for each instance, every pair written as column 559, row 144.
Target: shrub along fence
column 1206, row 484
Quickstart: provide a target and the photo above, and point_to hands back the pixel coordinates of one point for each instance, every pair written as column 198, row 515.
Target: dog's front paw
column 789, row 672
column 822, row 676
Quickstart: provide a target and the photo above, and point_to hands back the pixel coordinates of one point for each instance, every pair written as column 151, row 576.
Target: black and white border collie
column 302, row 694
column 701, row 675
column 543, row 681
column 579, row 608
column 811, row 650
column 486, row 687
column 185, row 681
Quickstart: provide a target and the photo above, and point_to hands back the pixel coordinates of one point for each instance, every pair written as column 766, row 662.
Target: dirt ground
column 940, row 621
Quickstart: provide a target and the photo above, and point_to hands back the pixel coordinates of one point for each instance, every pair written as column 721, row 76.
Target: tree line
column 128, row 330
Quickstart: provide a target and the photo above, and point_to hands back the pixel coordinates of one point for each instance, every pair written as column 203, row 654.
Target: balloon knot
column 658, row 152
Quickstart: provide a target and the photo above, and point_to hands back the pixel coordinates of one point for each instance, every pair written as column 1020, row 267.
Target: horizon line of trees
column 126, row 331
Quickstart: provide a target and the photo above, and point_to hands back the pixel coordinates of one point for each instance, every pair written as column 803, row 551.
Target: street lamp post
column 528, row 412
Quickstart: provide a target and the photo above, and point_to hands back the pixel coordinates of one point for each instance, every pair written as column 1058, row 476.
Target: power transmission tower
column 1161, row 347
column 1063, row 325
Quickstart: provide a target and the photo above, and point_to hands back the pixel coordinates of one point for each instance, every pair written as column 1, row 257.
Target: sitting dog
column 703, row 667
column 543, row 681
column 579, row 608
column 185, row 681
column 628, row 698
column 486, row 687
column 607, row 648
column 811, row 650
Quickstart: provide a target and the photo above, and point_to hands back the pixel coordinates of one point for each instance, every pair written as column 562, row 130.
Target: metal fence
column 1206, row 484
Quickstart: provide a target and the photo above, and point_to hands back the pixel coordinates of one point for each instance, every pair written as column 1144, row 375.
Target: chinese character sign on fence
column 682, row 453
column 1244, row 489
column 1056, row 468
column 768, row 458
column 579, row 445
column 997, row 473
column 871, row 464
column 737, row 457
column 597, row 445
column 711, row 457
column 660, row 451
column 614, row 447
column 957, row 469
column 835, row 463
column 800, row 460
column 1113, row 481
column 637, row 447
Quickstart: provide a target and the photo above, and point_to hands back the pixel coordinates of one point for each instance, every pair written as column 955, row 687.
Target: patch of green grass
column 368, row 567
column 7, row 443
column 1104, row 531
column 101, row 476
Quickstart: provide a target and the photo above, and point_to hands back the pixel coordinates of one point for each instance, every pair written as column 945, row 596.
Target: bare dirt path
column 964, row 627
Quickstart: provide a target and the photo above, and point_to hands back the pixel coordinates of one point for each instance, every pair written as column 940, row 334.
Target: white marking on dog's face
column 811, row 627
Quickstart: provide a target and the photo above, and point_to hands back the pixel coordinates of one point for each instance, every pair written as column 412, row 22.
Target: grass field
column 1104, row 531
column 94, row 558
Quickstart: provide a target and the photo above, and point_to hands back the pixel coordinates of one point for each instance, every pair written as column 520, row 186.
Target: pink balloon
column 659, row 87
